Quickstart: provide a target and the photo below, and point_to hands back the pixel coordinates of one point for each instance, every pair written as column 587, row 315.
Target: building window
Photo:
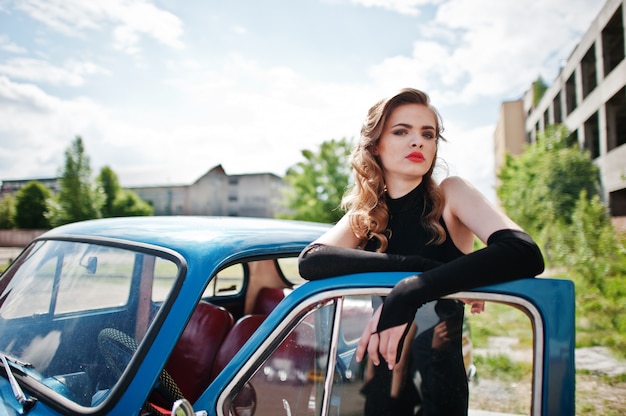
column 556, row 107
column 613, row 42
column 592, row 136
column 617, row 203
column 616, row 120
column 589, row 73
column 570, row 93
column 573, row 137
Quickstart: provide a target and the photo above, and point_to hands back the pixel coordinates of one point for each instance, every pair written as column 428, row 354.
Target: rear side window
column 227, row 282
column 289, row 268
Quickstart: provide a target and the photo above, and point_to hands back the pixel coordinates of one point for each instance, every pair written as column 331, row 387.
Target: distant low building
column 216, row 193
column 11, row 186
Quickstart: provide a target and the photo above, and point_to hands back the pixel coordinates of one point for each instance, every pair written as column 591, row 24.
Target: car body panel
column 202, row 246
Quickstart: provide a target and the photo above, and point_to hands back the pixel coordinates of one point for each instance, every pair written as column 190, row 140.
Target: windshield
column 60, row 301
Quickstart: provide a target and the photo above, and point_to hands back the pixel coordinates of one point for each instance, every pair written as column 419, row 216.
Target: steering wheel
column 118, row 349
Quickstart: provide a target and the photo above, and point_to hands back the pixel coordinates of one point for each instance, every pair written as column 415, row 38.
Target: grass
column 510, row 321
column 503, row 368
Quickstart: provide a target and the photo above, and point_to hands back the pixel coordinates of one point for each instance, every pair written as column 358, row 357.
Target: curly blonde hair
column 365, row 202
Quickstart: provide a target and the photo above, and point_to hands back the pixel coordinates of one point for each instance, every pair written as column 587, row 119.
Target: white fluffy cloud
column 129, row 20
column 251, row 116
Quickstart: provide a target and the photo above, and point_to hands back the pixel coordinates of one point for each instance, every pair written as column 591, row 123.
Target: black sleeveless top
column 408, row 236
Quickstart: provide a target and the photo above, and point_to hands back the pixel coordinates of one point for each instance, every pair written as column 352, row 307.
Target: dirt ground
column 600, row 385
column 598, row 395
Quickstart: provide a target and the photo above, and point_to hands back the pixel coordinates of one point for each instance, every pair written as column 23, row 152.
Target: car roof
column 193, row 236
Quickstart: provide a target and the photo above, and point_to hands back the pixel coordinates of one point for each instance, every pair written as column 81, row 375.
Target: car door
column 301, row 359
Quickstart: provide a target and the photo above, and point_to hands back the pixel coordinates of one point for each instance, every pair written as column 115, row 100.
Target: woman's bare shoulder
column 340, row 234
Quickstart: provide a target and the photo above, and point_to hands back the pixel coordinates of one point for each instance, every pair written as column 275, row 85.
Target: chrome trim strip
column 332, row 357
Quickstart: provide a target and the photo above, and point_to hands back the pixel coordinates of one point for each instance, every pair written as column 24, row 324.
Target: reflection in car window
column 165, row 272
column 291, row 380
column 77, row 311
column 495, row 355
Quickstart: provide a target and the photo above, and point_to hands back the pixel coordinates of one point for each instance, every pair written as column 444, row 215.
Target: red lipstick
column 415, row 157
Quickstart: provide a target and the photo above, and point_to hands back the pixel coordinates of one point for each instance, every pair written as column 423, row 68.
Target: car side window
column 492, row 351
column 445, row 374
column 226, row 282
column 291, row 379
column 289, row 268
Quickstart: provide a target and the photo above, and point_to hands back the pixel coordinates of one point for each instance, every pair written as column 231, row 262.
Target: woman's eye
column 399, row 132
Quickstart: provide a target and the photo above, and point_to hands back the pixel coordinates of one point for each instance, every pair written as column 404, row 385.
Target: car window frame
column 337, row 296
column 53, row 398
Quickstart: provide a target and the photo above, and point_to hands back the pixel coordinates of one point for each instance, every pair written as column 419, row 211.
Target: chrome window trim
column 538, row 337
column 332, row 356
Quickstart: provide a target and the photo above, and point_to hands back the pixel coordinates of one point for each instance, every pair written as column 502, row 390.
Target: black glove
column 509, row 255
column 318, row 261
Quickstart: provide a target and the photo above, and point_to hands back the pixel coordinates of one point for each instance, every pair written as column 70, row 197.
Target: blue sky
column 162, row 91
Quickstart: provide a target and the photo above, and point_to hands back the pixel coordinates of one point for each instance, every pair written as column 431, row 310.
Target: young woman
column 399, row 219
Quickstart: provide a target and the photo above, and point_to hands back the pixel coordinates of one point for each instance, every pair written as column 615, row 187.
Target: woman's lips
column 416, row 157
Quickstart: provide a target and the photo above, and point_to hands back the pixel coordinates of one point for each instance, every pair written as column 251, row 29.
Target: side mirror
column 91, row 265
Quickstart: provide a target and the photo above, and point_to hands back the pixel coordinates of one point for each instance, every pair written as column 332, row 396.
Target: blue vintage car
column 208, row 315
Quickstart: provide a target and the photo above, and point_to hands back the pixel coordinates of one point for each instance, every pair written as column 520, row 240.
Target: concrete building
column 510, row 136
column 216, row 193
column 11, row 186
column 589, row 98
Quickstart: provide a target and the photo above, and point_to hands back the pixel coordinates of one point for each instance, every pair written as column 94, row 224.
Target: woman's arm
column 510, row 254
column 334, row 254
column 469, row 213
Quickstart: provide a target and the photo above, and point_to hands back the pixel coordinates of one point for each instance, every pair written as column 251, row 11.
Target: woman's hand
column 478, row 306
column 385, row 342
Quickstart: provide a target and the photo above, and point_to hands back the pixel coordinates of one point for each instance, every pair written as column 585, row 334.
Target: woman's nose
column 416, row 141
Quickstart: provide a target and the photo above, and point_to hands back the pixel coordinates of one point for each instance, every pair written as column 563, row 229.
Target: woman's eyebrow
column 407, row 125
column 402, row 125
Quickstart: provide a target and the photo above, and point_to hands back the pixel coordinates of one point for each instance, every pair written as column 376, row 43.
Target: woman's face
column 407, row 147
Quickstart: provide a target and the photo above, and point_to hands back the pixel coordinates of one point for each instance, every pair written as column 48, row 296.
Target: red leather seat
column 267, row 299
column 191, row 362
column 238, row 335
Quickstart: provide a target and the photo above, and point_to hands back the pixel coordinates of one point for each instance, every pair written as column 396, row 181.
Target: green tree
column 31, row 206
column 540, row 188
column 78, row 198
column 7, row 212
column 110, row 185
column 319, row 182
column 539, row 88
column 551, row 190
column 129, row 204
column 120, row 202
